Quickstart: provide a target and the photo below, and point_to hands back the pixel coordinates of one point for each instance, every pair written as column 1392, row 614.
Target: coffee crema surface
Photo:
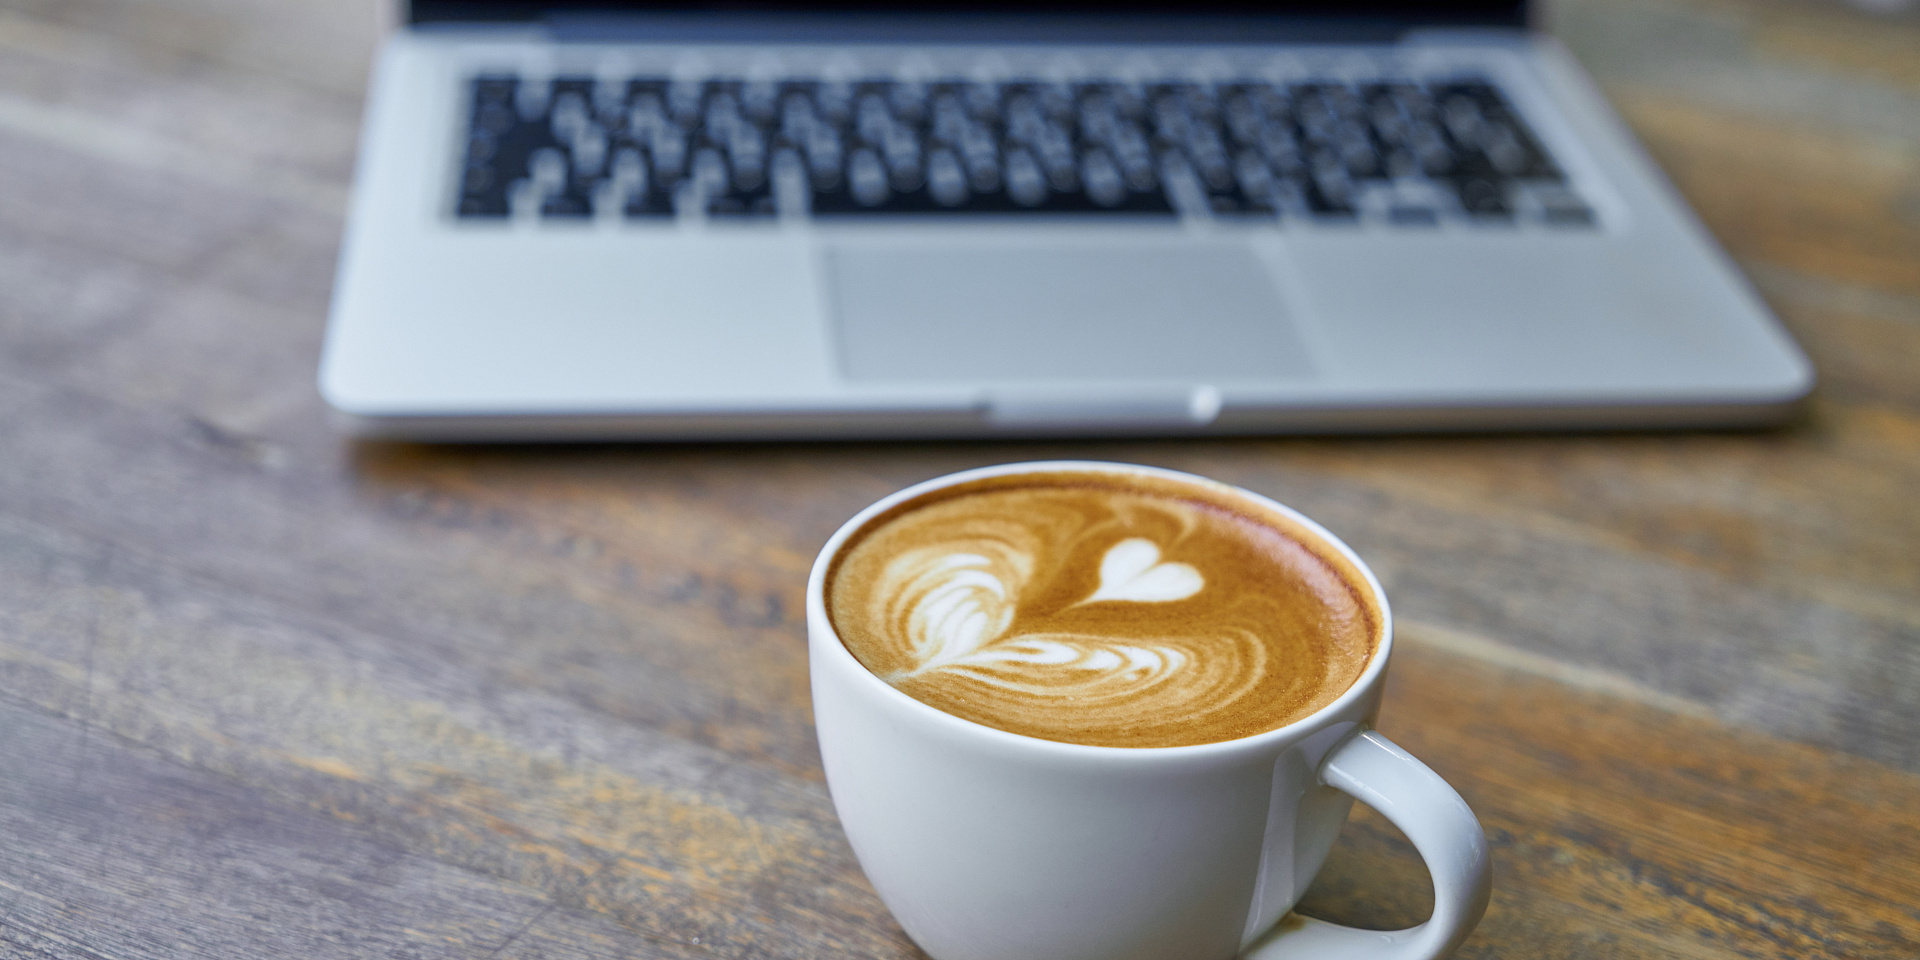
column 1110, row 609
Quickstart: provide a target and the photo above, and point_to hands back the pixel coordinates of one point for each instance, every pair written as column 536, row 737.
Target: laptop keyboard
column 1397, row 153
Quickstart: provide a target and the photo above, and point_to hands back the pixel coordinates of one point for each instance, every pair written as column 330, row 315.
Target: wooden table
column 268, row 693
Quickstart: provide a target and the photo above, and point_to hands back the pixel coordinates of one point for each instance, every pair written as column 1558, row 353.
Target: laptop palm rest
column 1131, row 322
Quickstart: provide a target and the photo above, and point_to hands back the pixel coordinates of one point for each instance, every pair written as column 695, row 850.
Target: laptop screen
column 1402, row 13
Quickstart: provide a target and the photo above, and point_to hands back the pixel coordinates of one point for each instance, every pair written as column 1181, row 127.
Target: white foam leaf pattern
column 1132, row 570
column 961, row 608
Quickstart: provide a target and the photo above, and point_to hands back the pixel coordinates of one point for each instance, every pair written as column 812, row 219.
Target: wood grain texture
column 265, row 692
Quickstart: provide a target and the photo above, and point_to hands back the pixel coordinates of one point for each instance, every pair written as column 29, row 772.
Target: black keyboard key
column 867, row 178
column 1026, row 184
column 494, row 146
column 630, row 187
column 1490, row 133
column 1483, row 199
column 946, row 178
column 566, row 205
column 1102, row 179
column 484, row 205
column 760, row 99
column 1329, row 204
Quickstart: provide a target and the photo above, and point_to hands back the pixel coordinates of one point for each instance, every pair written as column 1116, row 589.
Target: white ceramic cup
column 989, row 845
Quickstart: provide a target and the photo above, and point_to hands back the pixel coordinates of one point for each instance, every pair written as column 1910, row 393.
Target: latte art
column 960, row 606
column 1132, row 570
column 1108, row 614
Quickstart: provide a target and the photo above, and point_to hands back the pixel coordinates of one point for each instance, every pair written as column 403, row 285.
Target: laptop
column 696, row 219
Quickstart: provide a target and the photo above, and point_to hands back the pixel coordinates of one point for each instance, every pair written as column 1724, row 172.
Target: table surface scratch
column 266, row 692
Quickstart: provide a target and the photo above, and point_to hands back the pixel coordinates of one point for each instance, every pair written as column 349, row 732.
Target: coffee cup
column 1169, row 789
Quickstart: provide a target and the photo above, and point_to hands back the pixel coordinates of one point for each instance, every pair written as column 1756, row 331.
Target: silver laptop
column 598, row 219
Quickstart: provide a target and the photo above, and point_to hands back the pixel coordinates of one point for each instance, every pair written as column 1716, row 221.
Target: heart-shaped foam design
column 1132, row 570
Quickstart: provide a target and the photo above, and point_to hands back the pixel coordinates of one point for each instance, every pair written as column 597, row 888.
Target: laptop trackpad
column 1193, row 312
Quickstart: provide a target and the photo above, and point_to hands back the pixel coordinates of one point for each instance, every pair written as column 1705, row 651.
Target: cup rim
column 836, row 649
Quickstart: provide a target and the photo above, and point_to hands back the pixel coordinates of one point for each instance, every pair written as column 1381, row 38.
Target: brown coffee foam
column 1282, row 626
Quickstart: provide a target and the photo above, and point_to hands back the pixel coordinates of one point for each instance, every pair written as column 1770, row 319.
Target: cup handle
column 1374, row 771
